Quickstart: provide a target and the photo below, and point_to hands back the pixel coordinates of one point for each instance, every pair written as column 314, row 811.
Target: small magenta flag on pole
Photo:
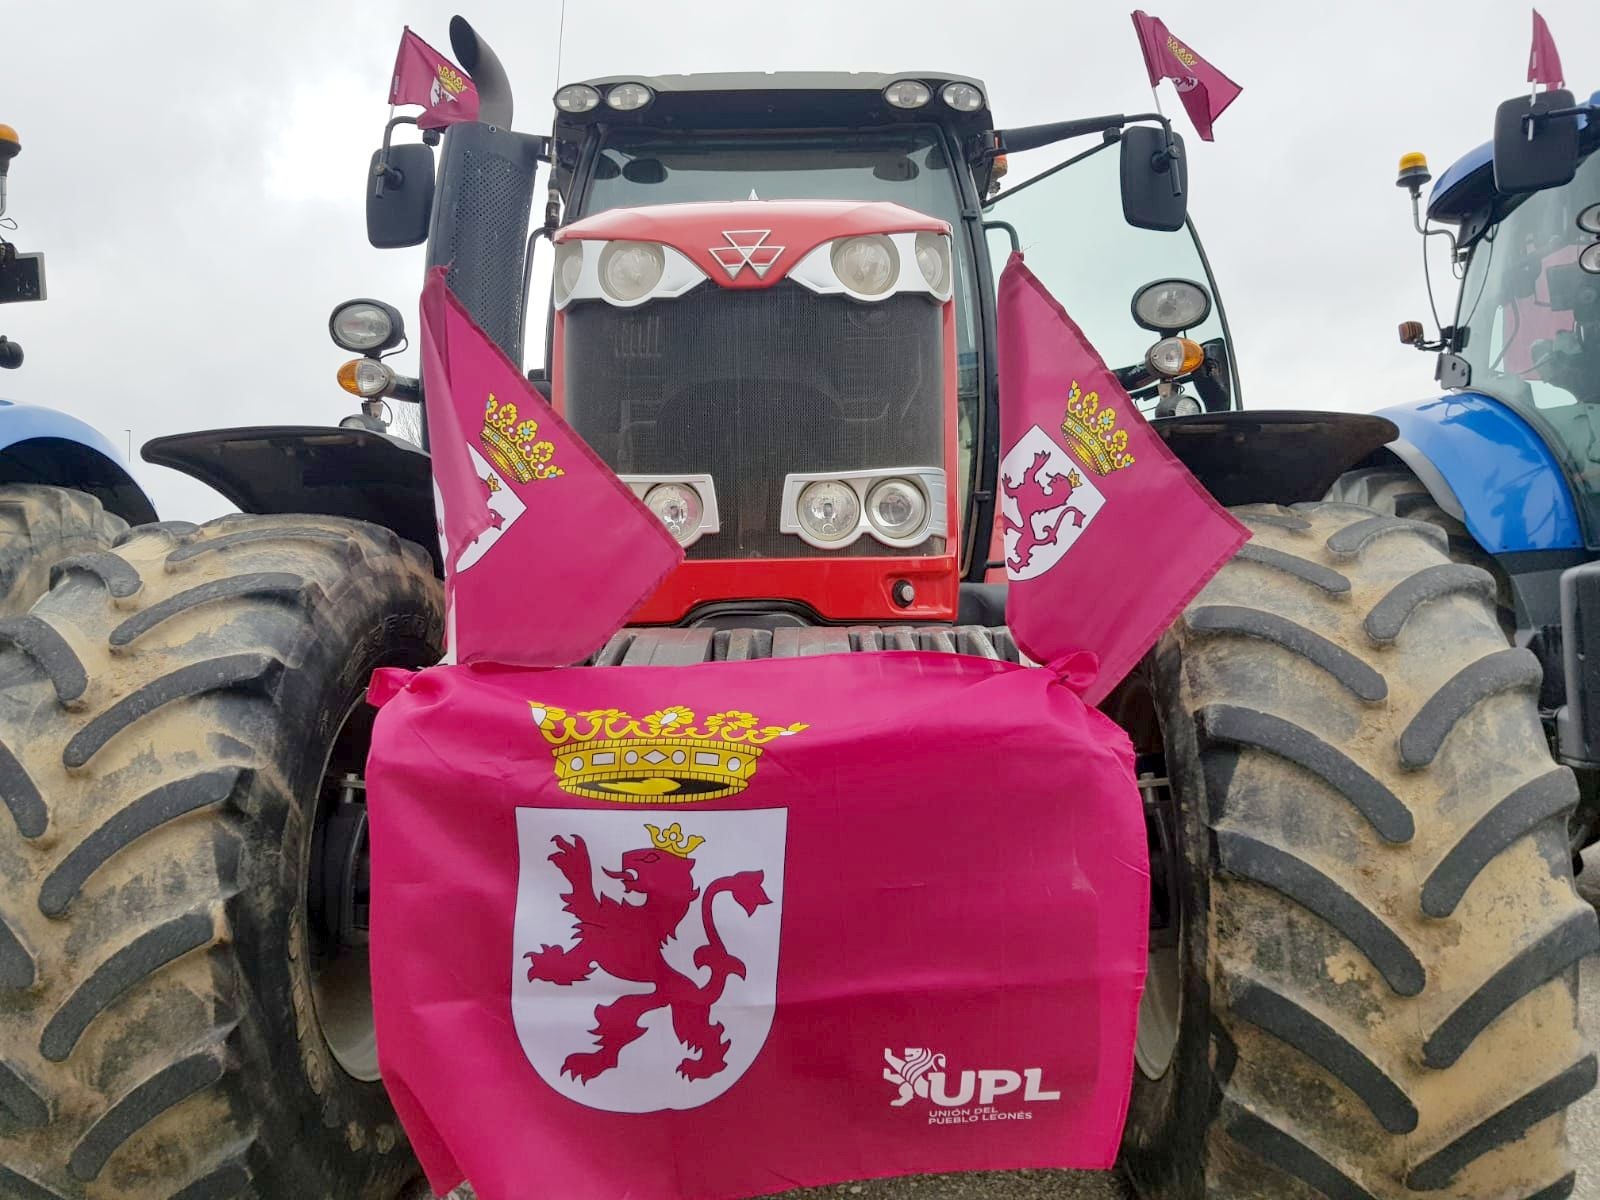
column 1204, row 90
column 527, row 511
column 424, row 76
column 1544, row 63
column 1090, row 493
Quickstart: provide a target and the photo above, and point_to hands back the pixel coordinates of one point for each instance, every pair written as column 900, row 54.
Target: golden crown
column 512, row 444
column 672, row 840
column 1093, row 430
column 664, row 758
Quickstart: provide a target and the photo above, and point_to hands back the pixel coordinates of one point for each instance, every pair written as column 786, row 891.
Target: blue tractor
column 1507, row 458
column 64, row 492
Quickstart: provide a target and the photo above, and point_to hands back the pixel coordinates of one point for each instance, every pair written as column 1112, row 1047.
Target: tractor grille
column 749, row 386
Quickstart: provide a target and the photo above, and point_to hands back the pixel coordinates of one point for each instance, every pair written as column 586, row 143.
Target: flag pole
column 1156, row 93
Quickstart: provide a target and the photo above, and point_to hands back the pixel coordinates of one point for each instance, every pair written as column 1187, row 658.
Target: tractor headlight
column 577, row 98
column 365, row 326
column 933, row 260
column 569, row 265
column 1171, row 305
column 829, row 510
column 630, row 270
column 1589, row 260
column 907, row 93
column 1187, row 406
column 679, row 507
column 1589, row 219
column 962, row 97
column 868, row 265
column 629, row 97
column 366, row 377
column 897, row 508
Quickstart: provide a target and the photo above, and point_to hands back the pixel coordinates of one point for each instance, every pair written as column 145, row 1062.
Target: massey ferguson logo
column 746, row 248
column 919, row 1074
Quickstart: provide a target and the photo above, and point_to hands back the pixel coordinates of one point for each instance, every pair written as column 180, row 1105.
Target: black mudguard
column 1273, row 457
column 312, row 469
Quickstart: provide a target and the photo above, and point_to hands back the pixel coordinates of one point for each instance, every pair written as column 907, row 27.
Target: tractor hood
column 749, row 243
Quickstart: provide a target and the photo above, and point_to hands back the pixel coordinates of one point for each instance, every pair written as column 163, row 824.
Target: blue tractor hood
column 1468, row 183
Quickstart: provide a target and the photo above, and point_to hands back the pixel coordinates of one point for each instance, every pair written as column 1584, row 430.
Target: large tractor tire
column 182, row 732
column 40, row 528
column 1372, row 990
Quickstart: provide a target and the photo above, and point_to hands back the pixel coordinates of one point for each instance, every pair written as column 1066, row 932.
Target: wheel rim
column 1161, row 1001
column 341, row 979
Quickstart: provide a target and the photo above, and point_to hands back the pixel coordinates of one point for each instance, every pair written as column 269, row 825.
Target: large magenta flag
column 685, row 933
column 1544, row 63
column 1204, row 90
column 527, row 512
column 1092, row 502
column 424, row 76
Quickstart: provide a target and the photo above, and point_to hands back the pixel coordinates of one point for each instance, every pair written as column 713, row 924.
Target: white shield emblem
column 645, row 967
column 1046, row 502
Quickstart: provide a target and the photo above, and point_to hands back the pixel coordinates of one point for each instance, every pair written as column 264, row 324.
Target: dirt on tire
column 167, row 726
column 1382, row 934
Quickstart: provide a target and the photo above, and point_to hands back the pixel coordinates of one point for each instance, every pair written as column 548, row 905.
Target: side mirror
column 400, row 202
column 1547, row 156
column 1155, row 185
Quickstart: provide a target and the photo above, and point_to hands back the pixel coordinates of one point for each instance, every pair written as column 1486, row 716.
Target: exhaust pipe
column 488, row 76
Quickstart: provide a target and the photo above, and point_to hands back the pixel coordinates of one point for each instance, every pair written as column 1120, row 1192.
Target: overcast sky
column 194, row 172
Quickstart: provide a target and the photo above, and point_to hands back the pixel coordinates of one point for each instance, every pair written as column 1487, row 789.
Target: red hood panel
column 749, row 243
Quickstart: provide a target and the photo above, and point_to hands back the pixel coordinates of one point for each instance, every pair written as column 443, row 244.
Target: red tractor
column 773, row 316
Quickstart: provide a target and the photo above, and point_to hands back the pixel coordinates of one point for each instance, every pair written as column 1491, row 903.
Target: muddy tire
column 1396, row 492
column 175, row 718
column 1381, row 937
column 41, row 527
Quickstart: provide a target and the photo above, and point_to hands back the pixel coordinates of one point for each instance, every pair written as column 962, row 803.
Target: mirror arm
column 383, row 172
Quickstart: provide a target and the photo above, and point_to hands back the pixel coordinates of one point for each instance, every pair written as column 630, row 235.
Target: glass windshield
column 637, row 168
column 1531, row 315
column 1074, row 238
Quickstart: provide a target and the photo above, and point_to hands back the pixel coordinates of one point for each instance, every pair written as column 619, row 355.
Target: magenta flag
column 546, row 551
column 1092, row 502
column 1204, row 90
column 424, row 76
column 686, row 933
column 1544, row 63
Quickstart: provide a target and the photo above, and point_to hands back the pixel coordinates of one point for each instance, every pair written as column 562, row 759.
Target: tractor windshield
column 1531, row 316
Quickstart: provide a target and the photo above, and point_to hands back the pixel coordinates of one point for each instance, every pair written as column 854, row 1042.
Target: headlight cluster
column 913, row 93
column 685, row 504
column 898, row 508
column 874, row 265
column 621, row 273
column 623, row 97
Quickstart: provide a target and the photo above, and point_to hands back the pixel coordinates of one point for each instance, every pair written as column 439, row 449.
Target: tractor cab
column 773, row 312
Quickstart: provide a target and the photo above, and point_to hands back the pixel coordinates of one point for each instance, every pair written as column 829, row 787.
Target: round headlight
column 1589, row 260
column 679, row 507
column 897, row 508
column 866, row 265
column 1187, row 406
column 962, row 97
column 577, row 98
column 630, row 270
column 1589, row 219
column 569, row 265
column 365, row 326
column 907, row 93
column 933, row 260
column 365, row 377
column 629, row 97
column 1168, row 305
column 829, row 510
